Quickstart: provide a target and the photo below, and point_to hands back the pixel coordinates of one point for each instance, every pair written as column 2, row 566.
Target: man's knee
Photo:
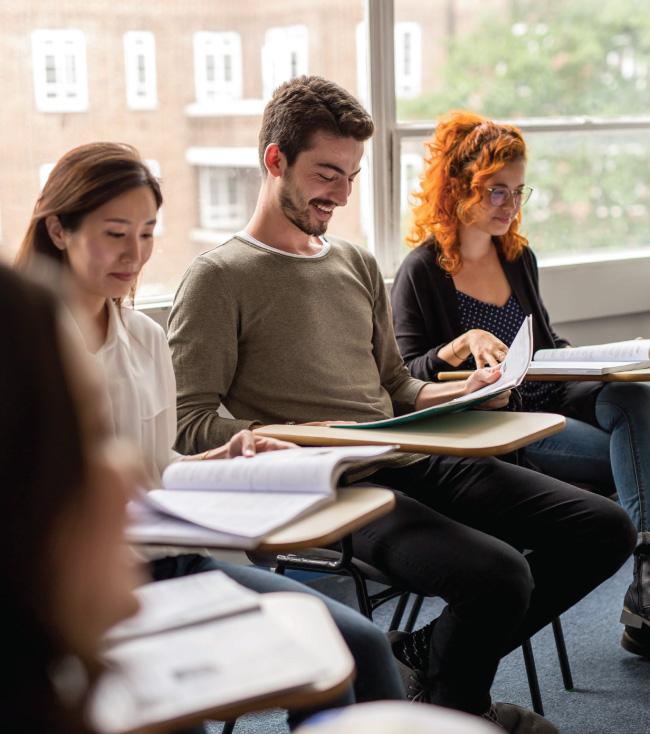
column 502, row 576
column 607, row 532
column 617, row 530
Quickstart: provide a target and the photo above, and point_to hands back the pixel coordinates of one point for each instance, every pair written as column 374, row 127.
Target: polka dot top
column 504, row 322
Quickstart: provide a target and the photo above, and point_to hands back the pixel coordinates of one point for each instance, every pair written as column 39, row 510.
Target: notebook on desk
column 237, row 502
column 596, row 359
column 199, row 642
column 583, row 368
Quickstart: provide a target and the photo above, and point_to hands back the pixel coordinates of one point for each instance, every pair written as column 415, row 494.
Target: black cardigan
column 425, row 315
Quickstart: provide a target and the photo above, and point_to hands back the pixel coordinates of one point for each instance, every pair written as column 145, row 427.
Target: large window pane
column 522, row 58
column 591, row 191
column 205, row 70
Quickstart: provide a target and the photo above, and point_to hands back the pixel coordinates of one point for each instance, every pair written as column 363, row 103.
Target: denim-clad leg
column 578, row 454
column 623, row 410
column 619, row 448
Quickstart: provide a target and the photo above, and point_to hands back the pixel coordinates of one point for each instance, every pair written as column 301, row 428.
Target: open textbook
column 236, row 502
column 597, row 359
column 197, row 643
column 513, row 370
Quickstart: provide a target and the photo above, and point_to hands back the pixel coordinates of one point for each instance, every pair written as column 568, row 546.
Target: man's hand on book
column 483, row 377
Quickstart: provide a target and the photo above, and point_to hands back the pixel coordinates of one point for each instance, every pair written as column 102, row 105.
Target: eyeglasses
column 500, row 195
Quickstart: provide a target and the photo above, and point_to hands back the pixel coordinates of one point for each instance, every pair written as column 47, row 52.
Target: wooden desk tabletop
column 632, row 376
column 353, row 508
column 308, row 621
column 470, row 433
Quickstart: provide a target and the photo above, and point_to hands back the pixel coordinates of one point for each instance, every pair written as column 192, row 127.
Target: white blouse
column 141, row 386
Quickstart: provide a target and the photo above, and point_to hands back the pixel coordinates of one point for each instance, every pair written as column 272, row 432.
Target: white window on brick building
column 285, row 55
column 228, row 182
column 140, row 70
column 44, row 171
column 222, row 198
column 217, row 67
column 59, row 66
column 408, row 59
column 154, row 167
column 410, row 171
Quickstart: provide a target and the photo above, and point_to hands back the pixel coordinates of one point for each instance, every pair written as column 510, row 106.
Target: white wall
column 599, row 301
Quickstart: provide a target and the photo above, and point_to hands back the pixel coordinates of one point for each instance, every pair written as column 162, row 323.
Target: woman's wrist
column 460, row 348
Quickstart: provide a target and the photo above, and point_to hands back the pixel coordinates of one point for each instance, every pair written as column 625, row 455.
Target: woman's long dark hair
column 43, row 473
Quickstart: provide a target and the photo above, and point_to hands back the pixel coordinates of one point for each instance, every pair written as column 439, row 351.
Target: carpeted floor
column 612, row 694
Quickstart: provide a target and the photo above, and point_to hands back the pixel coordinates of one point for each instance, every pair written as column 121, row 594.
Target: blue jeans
column 377, row 675
column 616, row 450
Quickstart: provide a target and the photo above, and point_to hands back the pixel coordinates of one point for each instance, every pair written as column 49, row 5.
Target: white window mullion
column 384, row 158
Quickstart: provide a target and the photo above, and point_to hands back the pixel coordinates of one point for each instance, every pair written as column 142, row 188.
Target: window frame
column 220, row 44
column 57, row 39
column 386, row 144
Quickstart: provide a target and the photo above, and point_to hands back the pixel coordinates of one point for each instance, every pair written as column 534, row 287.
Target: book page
column 165, row 676
column 301, row 470
column 179, row 602
column 546, row 367
column 633, row 350
column 147, row 525
column 247, row 514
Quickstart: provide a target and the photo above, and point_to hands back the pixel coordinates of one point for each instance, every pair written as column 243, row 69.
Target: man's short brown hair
column 306, row 105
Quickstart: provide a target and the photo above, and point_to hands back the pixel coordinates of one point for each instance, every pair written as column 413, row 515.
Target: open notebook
column 513, row 371
column 237, row 502
column 597, row 359
column 197, row 643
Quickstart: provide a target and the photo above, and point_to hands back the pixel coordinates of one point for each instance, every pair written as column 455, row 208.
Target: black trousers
column 457, row 532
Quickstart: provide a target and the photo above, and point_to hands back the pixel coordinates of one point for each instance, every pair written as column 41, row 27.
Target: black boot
column 636, row 605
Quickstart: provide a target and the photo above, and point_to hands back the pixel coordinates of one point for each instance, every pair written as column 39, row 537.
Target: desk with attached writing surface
column 630, row 376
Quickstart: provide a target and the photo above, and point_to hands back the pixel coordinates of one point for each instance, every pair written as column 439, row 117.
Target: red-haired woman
column 461, row 295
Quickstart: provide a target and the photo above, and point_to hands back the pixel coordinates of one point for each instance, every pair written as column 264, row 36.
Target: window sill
column 579, row 288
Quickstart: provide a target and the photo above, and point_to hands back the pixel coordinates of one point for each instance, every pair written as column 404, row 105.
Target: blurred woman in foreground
column 64, row 484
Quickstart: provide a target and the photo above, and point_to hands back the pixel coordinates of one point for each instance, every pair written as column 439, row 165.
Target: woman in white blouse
column 96, row 217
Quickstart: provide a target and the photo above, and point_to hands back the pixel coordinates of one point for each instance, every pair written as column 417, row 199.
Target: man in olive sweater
column 281, row 324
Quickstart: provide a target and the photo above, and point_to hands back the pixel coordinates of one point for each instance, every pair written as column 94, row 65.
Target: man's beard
column 298, row 212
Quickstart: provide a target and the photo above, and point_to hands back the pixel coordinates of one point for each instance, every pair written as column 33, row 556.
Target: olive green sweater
column 277, row 338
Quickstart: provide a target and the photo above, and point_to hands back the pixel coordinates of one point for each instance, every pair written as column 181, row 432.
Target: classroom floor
column 612, row 694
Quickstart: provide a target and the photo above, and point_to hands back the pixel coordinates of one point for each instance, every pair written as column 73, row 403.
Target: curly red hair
column 465, row 151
